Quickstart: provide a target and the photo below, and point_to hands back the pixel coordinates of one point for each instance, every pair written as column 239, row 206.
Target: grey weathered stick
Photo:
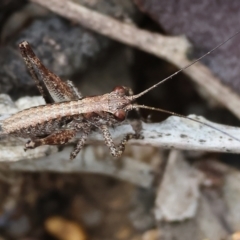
column 173, row 49
column 88, row 161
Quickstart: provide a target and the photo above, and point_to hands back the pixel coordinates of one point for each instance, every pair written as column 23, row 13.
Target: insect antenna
column 184, row 68
column 136, row 106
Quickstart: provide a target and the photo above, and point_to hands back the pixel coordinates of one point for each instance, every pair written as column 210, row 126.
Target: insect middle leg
column 57, row 138
column 86, row 128
column 115, row 150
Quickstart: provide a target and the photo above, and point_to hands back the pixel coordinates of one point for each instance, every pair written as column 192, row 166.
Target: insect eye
column 120, row 115
column 120, row 90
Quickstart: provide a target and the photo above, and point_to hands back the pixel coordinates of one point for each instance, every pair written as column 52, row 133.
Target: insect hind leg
column 57, row 138
column 74, row 90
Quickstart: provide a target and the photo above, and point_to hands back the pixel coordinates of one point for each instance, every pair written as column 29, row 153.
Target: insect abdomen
column 35, row 116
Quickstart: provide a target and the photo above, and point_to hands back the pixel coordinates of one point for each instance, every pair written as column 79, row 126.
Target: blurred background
column 186, row 195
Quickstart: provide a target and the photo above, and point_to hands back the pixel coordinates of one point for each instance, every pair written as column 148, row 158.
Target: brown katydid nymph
column 66, row 112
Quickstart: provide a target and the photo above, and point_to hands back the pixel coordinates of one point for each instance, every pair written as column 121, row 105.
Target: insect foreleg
column 116, row 151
